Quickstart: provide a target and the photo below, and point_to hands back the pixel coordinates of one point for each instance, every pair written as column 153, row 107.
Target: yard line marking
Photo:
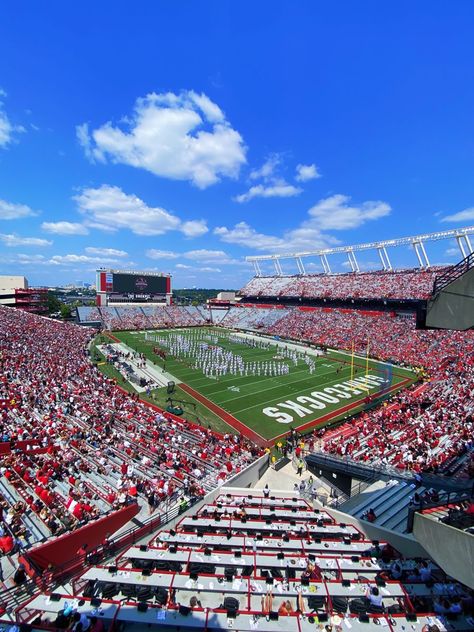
column 267, row 404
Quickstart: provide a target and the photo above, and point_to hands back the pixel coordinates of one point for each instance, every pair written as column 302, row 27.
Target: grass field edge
column 227, row 417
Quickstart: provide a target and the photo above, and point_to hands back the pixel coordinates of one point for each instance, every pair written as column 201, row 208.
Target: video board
column 138, row 284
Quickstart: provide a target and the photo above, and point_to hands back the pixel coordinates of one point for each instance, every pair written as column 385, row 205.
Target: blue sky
column 183, row 136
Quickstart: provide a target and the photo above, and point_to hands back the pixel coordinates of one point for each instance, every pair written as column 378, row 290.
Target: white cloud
column 106, row 252
column 306, row 172
column 8, row 131
column 333, row 213
column 182, row 137
column 161, row 254
column 24, row 259
column 84, row 140
column 462, row 216
column 31, row 259
column 279, row 188
column 184, row 266
column 8, row 210
column 109, row 209
column 244, row 235
column 211, row 256
column 452, row 252
column 64, row 228
column 201, row 256
column 73, row 258
column 14, row 240
column 267, row 169
column 194, row 228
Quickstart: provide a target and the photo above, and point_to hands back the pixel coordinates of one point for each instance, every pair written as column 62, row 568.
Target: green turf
column 259, row 392
column 194, row 411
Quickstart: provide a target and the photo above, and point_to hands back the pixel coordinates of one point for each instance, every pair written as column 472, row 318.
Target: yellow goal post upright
column 352, row 360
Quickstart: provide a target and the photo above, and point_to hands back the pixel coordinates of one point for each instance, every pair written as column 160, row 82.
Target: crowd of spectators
column 74, row 446
column 399, row 284
column 423, row 428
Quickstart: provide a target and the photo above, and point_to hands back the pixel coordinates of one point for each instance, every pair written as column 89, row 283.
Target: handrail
column 453, row 273
column 70, row 568
column 361, row 471
column 373, row 471
column 448, row 498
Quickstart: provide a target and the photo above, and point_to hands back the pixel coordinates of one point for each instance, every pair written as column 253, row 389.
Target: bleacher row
column 396, row 284
column 390, row 504
column 136, row 317
column 249, row 562
column 75, row 448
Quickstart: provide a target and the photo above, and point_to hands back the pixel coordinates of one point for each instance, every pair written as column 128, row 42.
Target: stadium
column 296, row 458
column 237, row 316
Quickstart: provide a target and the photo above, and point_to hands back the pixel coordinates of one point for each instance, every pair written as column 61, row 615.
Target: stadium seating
column 425, row 429
column 251, row 562
column 400, row 284
column 245, row 318
column 131, row 317
column 75, row 447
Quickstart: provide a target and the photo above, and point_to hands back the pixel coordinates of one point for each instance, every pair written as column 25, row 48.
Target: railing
column 366, row 473
column 444, row 500
column 13, row 598
column 453, row 273
column 375, row 471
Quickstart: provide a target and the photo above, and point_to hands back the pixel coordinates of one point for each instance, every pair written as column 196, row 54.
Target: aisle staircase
column 390, row 504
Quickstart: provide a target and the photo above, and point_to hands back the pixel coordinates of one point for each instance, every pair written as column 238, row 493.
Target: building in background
column 14, row 292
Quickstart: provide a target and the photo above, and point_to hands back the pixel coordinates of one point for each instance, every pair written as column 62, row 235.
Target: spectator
column 370, row 516
column 20, row 577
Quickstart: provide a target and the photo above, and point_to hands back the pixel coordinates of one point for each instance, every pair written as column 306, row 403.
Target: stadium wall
column 243, row 480
column 405, row 543
column 453, row 307
column 59, row 551
column 457, row 559
column 382, row 304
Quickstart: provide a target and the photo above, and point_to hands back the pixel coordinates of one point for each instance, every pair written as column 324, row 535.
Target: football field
column 262, row 386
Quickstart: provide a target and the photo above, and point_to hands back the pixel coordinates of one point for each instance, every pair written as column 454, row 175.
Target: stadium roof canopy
column 418, row 242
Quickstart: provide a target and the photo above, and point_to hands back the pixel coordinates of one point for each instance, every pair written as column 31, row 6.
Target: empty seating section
column 249, row 562
column 74, row 447
column 400, row 284
column 89, row 314
column 390, row 504
column 256, row 318
column 134, row 317
column 217, row 315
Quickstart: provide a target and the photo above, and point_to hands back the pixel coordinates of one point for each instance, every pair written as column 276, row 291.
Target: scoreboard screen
column 125, row 287
column 138, row 285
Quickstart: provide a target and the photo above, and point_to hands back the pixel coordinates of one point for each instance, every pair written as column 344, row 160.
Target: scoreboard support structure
column 130, row 287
